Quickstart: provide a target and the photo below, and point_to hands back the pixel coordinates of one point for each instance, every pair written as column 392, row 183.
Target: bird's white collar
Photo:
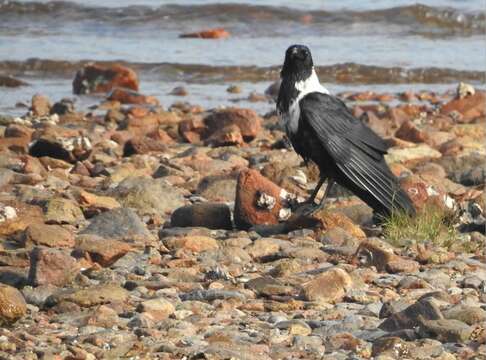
column 304, row 87
column 309, row 85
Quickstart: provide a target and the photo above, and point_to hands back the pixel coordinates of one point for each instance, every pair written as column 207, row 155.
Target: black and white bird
column 322, row 129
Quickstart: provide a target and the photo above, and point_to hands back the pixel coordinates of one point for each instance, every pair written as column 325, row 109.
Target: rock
column 377, row 253
column 209, row 215
column 446, row 330
column 119, row 224
column 468, row 170
column 192, row 243
column 268, row 286
column 126, row 96
column 226, row 136
column 411, row 155
column 325, row 220
column 41, row 106
column 144, row 145
column 469, row 107
column 93, row 204
column 468, row 314
column 95, row 78
column 12, row 305
column 390, row 348
column 295, row 327
column 69, row 149
column 47, row 235
column 63, row 107
column 425, row 195
column 218, row 188
column 38, row 295
column 63, row 211
column 262, row 247
column 158, row 308
column 10, row 81
column 216, row 33
column 258, row 200
column 51, row 267
column 148, row 196
column 246, row 120
column 192, row 130
column 103, row 251
column 412, row 316
column 95, row 295
column 234, row 89
column 410, row 132
column 328, row 287
column 179, row 91
column 464, row 90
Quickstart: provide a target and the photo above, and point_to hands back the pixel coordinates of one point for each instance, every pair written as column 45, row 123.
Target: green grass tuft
column 431, row 225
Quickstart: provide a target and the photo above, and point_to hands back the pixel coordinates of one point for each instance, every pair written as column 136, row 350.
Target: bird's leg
column 329, row 186
column 313, row 209
column 311, row 199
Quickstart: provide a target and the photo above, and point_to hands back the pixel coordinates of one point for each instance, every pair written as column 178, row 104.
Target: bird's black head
column 298, row 62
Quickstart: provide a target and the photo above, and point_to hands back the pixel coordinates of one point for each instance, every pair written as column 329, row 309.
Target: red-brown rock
column 410, row 132
column 216, row 33
column 258, row 200
column 469, row 107
column 51, row 266
column 126, row 96
column 246, row 119
column 192, row 130
column 103, row 251
column 94, row 78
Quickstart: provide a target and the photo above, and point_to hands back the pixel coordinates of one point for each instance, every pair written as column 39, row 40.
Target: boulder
column 96, row 78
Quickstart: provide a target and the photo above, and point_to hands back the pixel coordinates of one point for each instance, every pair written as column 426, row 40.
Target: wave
column 345, row 73
column 417, row 18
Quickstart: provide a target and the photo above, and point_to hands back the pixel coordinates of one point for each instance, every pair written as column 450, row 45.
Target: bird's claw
column 307, row 209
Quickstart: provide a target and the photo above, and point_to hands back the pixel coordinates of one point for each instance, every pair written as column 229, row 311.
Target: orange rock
column 15, row 144
column 103, row 251
column 126, row 96
column 246, row 119
column 470, row 107
column 26, row 215
column 192, row 129
column 47, row 235
column 258, row 200
column 216, row 33
column 95, row 78
column 330, row 220
column 408, row 131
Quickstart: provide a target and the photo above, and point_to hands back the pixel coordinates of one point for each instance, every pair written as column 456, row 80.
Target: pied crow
column 321, row 128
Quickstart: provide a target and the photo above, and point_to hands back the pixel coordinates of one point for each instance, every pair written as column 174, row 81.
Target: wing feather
column 356, row 150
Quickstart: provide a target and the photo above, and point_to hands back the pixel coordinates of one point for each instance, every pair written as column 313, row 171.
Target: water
column 372, row 35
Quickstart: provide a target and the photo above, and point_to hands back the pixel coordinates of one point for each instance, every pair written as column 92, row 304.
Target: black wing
column 357, row 152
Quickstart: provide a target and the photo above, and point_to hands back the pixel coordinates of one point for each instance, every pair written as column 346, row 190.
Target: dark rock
column 120, row 224
column 210, row 215
column 410, row 317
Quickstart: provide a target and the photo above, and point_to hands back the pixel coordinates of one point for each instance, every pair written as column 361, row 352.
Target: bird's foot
column 308, row 209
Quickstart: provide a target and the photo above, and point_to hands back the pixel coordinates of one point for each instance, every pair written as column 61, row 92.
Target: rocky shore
column 132, row 231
